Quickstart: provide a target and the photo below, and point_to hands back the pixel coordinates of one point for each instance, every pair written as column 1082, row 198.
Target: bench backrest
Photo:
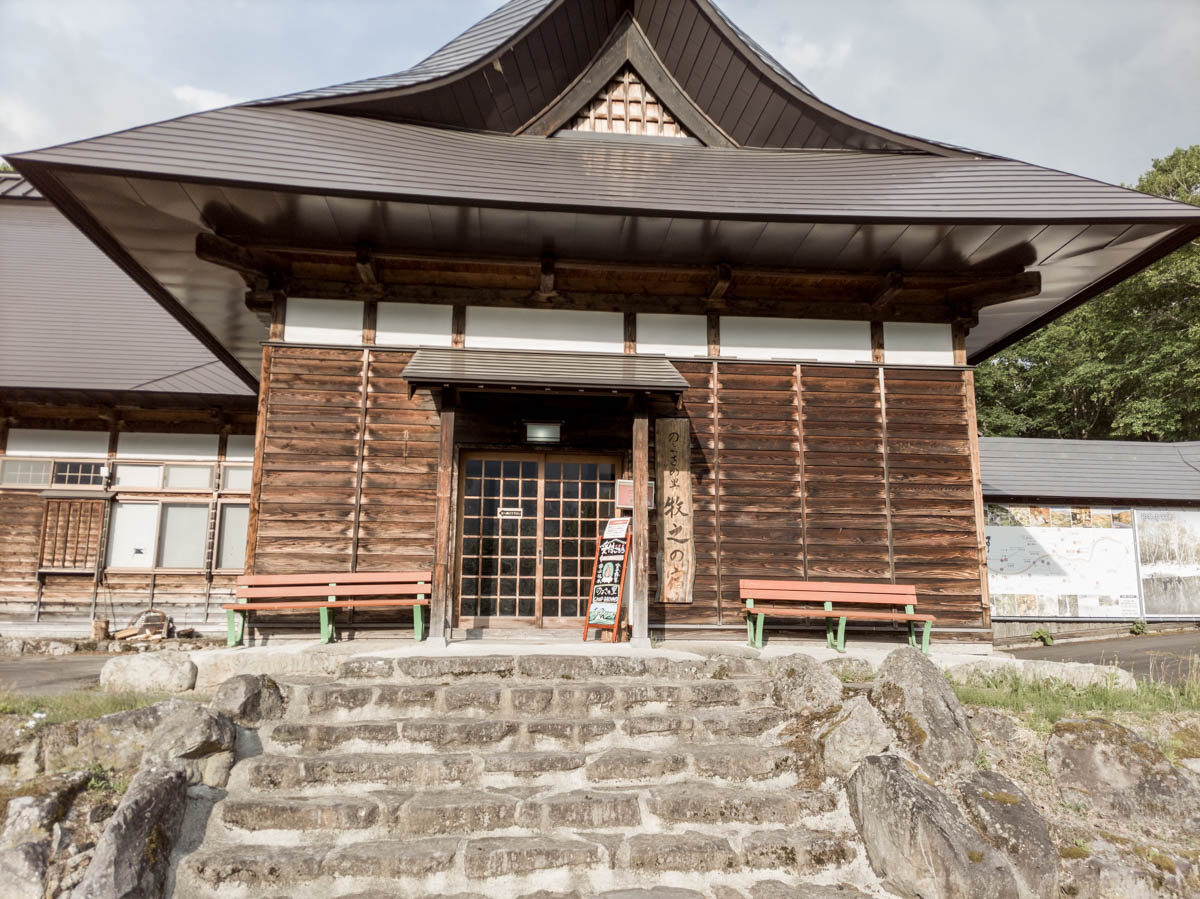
column 323, row 585
column 335, row 577
column 828, row 591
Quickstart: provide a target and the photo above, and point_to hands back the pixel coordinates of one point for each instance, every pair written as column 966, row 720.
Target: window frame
column 157, row 541
column 218, row 530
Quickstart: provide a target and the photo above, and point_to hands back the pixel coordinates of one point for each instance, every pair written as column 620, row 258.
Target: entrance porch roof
column 575, row 371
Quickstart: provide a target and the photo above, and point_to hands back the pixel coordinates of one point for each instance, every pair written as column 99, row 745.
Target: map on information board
column 1061, row 562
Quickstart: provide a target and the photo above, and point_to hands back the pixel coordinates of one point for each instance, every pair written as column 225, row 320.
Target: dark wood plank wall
column 799, row 471
column 310, row 460
column 399, row 486
column 931, row 493
column 20, row 529
column 698, row 407
column 836, row 473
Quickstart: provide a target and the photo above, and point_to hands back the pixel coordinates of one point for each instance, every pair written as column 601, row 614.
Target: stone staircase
column 503, row 776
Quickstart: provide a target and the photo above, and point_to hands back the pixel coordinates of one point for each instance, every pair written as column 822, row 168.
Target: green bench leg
column 912, row 636
column 328, row 632
column 758, row 631
column 235, row 627
column 418, row 623
column 749, row 628
column 841, row 635
column 925, row 637
column 829, row 636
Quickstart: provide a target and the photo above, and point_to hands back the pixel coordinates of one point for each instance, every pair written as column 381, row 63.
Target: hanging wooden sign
column 677, row 547
column 608, row 578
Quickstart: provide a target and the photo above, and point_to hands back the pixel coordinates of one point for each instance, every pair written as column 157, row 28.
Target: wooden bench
column 324, row 592
column 838, row 602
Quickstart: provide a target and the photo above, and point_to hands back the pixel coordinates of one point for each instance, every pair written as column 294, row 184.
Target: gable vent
column 626, row 106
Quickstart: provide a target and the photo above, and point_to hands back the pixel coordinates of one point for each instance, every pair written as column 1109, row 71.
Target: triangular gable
column 627, row 106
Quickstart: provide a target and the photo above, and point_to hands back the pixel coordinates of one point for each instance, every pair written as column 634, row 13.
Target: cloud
column 198, row 99
column 802, row 56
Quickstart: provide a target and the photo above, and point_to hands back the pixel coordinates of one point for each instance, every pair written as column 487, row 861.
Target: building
column 1088, row 536
column 125, row 445
column 476, row 295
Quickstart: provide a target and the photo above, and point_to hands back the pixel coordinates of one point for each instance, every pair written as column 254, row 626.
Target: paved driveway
column 1165, row 656
column 50, row 674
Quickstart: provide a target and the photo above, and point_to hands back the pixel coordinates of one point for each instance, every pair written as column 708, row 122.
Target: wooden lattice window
column 71, row 531
column 626, row 106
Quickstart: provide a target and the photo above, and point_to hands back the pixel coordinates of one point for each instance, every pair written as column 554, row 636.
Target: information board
column 1061, row 562
column 608, row 578
column 1169, row 549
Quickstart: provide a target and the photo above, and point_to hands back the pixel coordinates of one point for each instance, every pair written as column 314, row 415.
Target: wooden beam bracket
column 888, row 292
column 720, row 285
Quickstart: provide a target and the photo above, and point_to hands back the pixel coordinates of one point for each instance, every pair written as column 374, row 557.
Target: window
column 135, row 476
column 231, row 544
column 78, row 474
column 182, row 533
column 236, row 478
column 190, row 477
column 166, row 535
column 133, row 529
column 25, row 473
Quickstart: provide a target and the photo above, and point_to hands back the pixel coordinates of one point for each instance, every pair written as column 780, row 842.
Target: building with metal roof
column 1121, row 471
column 592, row 241
column 73, row 320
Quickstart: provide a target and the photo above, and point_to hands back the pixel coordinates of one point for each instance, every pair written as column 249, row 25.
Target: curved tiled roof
column 474, row 44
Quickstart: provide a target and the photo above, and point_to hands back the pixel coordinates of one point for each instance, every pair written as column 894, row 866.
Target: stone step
column 566, row 769
column 555, row 699
column 463, row 733
column 492, row 668
column 515, row 865
column 393, row 813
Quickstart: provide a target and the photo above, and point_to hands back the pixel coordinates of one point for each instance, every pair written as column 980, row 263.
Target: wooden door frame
column 523, row 454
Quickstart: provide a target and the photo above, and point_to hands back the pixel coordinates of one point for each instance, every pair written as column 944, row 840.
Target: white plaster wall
column 338, row 322
column 823, row 340
column 413, row 324
column 135, row 445
column 544, row 329
column 672, row 335
column 917, row 343
column 63, row 443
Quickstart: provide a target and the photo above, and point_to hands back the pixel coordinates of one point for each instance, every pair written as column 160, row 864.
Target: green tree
column 1125, row 365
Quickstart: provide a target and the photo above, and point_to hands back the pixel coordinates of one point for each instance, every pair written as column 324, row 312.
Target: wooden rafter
column 372, row 274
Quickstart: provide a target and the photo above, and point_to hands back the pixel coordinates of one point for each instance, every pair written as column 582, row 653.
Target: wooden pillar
column 260, row 439
column 443, row 549
column 639, row 609
column 960, row 358
column 877, row 341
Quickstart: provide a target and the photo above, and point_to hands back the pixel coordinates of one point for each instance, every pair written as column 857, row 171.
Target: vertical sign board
column 677, row 548
column 608, row 578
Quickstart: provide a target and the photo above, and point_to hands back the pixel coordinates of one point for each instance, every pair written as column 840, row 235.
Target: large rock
column 1118, row 773
column 1009, row 821
column 1077, row 674
column 32, row 817
column 114, row 741
column 804, row 686
column 195, row 741
column 920, row 707
column 152, row 672
column 856, row 733
column 249, row 699
column 917, row 840
column 23, row 870
column 132, row 857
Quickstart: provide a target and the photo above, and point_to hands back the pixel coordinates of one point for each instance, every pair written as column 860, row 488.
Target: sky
column 1093, row 87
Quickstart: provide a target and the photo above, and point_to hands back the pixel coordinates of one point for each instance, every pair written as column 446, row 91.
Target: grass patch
column 1042, row 702
column 74, row 705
